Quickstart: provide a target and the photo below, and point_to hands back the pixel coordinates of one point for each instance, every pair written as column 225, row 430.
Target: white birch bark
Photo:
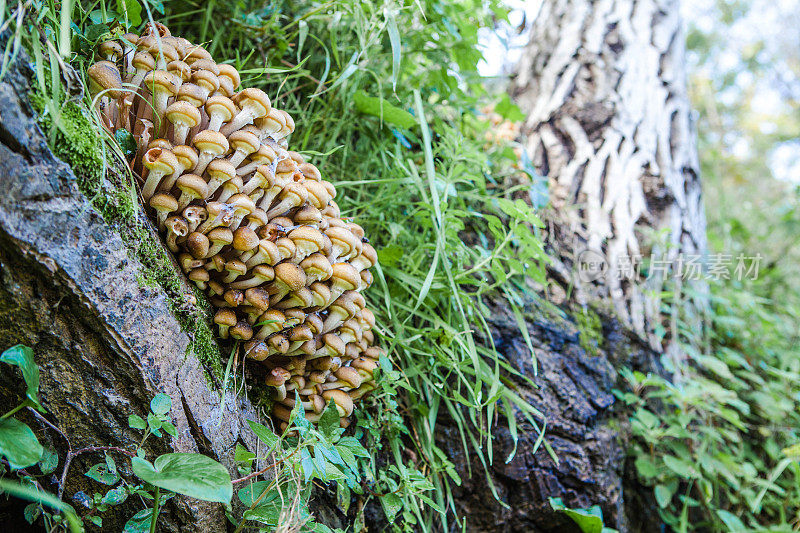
column 604, row 86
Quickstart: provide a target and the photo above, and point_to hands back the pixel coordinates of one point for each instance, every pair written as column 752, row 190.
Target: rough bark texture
column 585, row 428
column 609, row 125
column 104, row 344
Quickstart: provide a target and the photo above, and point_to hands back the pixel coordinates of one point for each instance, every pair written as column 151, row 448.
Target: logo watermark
column 592, row 265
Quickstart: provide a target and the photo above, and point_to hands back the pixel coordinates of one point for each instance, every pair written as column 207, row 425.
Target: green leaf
column 169, row 428
column 646, row 468
column 733, row 523
column 96, row 520
column 391, row 503
column 115, row 496
column 663, row 494
column 394, row 40
column 161, row 404
column 126, row 142
column 31, row 512
column 508, row 109
column 588, row 520
column 18, row 444
column 264, row 434
column 153, row 423
column 251, row 492
column 100, row 472
column 130, row 10
column 49, row 461
column 680, row 467
column 190, row 474
column 22, row 356
column 136, row 422
column 139, row 523
column 268, row 513
column 380, row 107
column 329, row 421
column 389, row 255
column 32, row 494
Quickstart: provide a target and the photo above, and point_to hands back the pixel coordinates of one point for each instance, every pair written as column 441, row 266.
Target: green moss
column 74, row 139
column 590, row 330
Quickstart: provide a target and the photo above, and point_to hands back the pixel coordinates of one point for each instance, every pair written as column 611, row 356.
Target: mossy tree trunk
column 105, row 340
column 609, row 127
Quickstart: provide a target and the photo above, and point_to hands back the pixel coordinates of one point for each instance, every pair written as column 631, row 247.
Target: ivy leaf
column 115, row 496
column 161, row 404
column 589, row 520
column 18, row 444
column 22, row 356
column 190, row 474
column 136, row 422
column 139, row 523
column 100, row 472
column 49, row 461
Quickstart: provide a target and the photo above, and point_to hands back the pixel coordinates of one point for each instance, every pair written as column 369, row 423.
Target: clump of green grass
column 387, row 101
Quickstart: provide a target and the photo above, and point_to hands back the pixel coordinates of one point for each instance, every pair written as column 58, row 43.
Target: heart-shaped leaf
column 22, row 356
column 18, row 444
column 190, row 474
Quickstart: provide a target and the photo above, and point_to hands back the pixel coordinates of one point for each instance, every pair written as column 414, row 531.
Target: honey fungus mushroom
column 250, row 223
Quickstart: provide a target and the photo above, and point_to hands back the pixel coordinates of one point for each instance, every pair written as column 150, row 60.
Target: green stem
column 154, row 517
column 14, row 410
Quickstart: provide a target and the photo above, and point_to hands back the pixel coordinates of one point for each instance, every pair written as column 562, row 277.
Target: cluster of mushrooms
column 251, row 223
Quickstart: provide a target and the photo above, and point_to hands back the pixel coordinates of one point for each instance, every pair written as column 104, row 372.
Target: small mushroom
column 183, row 117
column 159, row 163
column 195, row 215
column 164, row 204
column 243, row 144
column 219, row 109
column 288, row 277
column 225, row 318
column 254, row 103
column 209, row 144
column 344, row 404
column 177, row 227
column 218, row 238
column 277, row 378
column 192, row 187
column 220, row 171
column 198, row 245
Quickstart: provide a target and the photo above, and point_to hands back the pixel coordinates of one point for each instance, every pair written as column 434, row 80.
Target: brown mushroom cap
column 104, row 76
column 343, row 402
column 245, row 239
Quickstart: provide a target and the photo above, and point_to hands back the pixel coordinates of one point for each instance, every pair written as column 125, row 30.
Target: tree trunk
column 104, row 343
column 609, row 125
